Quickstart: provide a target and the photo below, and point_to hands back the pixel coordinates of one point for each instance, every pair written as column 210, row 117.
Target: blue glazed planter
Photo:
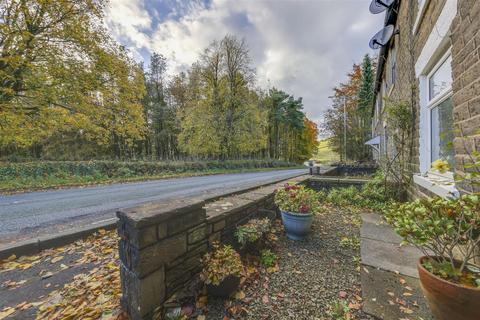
column 296, row 225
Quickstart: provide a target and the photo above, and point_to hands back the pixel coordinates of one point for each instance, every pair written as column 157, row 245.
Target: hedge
column 119, row 169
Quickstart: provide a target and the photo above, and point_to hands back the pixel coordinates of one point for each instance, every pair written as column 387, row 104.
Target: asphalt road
column 25, row 213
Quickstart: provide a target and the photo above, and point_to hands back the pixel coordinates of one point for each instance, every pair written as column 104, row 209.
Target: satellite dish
column 381, row 38
column 378, row 6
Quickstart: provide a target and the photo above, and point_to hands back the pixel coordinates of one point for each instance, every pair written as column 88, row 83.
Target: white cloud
column 303, row 47
column 128, row 20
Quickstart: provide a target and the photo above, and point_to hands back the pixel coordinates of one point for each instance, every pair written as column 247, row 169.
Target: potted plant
column 253, row 235
column 448, row 233
column 297, row 205
column 221, row 270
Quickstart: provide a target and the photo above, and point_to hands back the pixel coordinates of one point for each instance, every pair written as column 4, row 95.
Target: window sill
column 441, row 186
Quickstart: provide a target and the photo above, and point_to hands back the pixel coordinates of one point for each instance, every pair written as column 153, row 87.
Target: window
column 441, row 111
column 434, row 72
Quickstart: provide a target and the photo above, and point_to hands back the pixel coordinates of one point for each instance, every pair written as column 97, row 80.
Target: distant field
column 325, row 153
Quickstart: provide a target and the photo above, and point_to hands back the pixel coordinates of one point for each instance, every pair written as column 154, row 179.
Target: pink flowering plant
column 297, row 199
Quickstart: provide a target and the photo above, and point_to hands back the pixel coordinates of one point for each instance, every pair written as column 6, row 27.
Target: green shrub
column 374, row 194
column 297, row 199
column 253, row 231
column 439, row 227
column 339, row 310
column 268, row 259
column 44, row 173
column 219, row 264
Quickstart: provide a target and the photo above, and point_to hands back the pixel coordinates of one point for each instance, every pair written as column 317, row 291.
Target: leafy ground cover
column 54, row 174
column 375, row 195
column 77, row 281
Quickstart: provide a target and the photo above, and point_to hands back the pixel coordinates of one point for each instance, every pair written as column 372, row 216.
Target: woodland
column 69, row 91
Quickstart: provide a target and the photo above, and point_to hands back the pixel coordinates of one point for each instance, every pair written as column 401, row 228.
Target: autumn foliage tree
column 64, row 82
column 68, row 91
column 352, row 100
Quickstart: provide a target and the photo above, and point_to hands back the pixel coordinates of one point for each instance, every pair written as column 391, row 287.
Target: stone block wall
column 465, row 41
column 156, row 239
column 162, row 243
column 327, row 183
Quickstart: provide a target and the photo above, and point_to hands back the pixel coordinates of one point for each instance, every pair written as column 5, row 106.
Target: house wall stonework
column 406, row 48
column 465, row 40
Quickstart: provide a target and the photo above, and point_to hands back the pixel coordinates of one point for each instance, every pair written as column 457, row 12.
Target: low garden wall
column 162, row 243
column 360, row 169
column 326, row 183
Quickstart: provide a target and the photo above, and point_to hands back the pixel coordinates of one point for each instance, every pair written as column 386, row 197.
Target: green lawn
column 325, row 154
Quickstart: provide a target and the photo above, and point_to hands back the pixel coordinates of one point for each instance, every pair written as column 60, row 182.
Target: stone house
column 431, row 63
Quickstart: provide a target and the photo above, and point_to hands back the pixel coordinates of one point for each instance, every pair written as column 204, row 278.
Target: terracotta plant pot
column 447, row 300
column 228, row 286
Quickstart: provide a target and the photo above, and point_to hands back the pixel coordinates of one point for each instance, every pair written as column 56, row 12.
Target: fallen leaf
column 356, row 306
column 6, row 312
column 202, row 301
column 406, row 310
column 56, row 259
column 265, row 299
column 240, row 295
column 273, row 269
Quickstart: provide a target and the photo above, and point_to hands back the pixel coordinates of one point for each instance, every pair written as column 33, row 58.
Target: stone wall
column 162, row 243
column 327, row 183
column 465, row 38
column 465, row 48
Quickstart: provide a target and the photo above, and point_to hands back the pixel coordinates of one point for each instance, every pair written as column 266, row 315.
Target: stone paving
column 390, row 285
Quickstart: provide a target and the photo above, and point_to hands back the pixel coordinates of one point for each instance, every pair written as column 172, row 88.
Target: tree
column 365, row 102
column 162, row 124
column 355, row 98
column 225, row 121
column 62, row 78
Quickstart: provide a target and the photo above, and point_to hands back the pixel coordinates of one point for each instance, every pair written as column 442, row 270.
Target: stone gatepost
column 160, row 249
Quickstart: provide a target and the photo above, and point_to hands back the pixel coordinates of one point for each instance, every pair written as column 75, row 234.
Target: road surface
column 28, row 213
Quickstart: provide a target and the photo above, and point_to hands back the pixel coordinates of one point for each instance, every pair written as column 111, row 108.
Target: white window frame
column 441, row 97
column 435, row 51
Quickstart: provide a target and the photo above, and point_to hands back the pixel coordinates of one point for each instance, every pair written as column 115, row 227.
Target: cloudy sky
column 304, row 47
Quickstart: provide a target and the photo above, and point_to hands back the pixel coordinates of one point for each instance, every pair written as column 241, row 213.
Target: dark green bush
column 116, row 169
column 375, row 194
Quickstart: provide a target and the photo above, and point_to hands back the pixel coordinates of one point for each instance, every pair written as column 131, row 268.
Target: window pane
column 442, row 132
column 441, row 79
